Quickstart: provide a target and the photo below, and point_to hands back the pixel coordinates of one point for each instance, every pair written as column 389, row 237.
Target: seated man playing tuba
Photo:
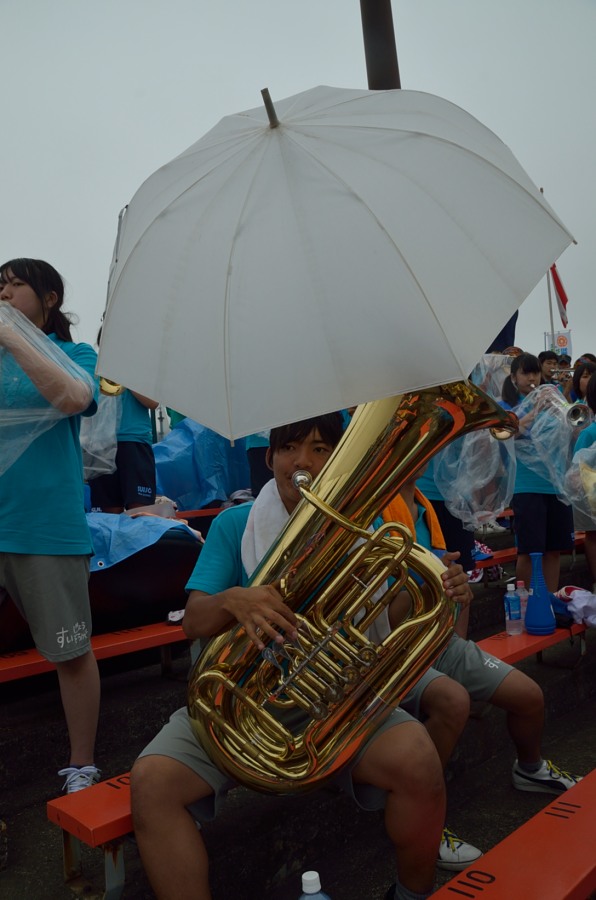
column 175, row 782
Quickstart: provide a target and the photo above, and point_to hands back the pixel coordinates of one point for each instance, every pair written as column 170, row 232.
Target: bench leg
column 166, row 659
column 582, row 650
column 114, row 869
column 3, row 845
column 71, row 856
column 113, row 855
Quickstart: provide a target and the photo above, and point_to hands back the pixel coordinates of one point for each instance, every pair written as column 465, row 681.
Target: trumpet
column 575, row 415
column 562, row 374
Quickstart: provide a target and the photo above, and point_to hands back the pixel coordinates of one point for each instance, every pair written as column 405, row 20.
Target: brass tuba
column 287, row 718
column 110, row 388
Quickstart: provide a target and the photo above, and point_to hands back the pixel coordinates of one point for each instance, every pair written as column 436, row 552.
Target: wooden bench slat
column 547, row 857
column 21, row 663
column 512, row 648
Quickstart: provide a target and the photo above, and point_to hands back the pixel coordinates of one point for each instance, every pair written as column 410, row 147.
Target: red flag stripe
column 561, row 295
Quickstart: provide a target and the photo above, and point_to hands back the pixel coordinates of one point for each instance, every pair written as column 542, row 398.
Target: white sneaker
column 493, row 528
column 549, row 779
column 79, row 778
column 455, row 854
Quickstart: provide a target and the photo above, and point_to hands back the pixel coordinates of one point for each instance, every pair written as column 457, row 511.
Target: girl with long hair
column 45, row 543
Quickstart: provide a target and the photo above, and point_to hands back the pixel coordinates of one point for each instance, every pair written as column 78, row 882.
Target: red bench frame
column 547, row 857
column 21, row 663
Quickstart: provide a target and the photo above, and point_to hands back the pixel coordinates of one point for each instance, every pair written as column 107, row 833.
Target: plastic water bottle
column 311, row 887
column 513, row 619
column 523, row 595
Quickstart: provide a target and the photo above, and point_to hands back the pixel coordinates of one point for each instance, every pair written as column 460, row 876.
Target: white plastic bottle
column 311, row 887
column 523, row 595
column 513, row 619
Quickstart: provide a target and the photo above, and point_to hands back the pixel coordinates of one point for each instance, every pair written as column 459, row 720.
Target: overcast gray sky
column 97, row 95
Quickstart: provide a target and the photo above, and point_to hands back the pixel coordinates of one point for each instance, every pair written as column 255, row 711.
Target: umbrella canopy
column 373, row 243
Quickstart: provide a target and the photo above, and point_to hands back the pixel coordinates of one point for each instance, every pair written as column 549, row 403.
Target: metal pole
column 550, row 310
column 379, row 45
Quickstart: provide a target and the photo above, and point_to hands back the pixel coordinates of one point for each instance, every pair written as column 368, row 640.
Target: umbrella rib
column 441, row 140
column 351, row 191
column 226, row 336
column 175, row 197
column 293, row 133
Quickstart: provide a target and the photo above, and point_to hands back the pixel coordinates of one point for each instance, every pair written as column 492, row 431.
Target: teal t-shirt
column 527, row 481
column 41, row 494
column 586, row 437
column 135, row 421
column 219, row 565
column 426, row 482
column 258, row 439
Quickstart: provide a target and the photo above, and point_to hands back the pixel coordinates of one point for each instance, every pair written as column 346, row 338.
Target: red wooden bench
column 512, row 648
column 549, row 857
column 100, row 816
column 509, row 554
column 21, row 663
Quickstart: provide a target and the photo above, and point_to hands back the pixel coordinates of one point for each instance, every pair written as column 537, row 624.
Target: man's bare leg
column 170, row 844
column 404, row 762
column 523, row 701
column 446, row 705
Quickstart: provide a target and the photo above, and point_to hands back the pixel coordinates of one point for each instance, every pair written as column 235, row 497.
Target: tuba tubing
column 283, row 721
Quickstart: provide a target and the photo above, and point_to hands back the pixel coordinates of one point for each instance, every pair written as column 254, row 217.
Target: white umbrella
column 375, row 242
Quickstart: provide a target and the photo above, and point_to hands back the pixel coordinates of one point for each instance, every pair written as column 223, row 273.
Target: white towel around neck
column 265, row 521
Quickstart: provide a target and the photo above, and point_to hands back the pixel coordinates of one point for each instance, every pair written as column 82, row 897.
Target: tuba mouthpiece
column 301, row 479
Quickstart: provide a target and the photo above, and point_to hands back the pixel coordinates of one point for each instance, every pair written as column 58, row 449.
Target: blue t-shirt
column 135, row 421
column 586, row 437
column 41, row 494
column 219, row 565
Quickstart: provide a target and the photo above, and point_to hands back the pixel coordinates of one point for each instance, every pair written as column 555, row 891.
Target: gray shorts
column 52, row 595
column 177, row 740
column 466, row 663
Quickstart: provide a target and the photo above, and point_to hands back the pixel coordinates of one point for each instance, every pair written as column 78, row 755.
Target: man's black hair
column 330, row 427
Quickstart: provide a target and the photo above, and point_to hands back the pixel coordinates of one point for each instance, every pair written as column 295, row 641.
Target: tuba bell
column 110, row 388
column 285, row 719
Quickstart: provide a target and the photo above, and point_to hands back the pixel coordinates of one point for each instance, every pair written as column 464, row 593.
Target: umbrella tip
column 273, row 120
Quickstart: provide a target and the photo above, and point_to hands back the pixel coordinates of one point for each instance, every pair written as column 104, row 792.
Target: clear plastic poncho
column 580, row 482
column 99, row 437
column 490, row 373
column 547, row 436
column 476, row 476
column 36, row 380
